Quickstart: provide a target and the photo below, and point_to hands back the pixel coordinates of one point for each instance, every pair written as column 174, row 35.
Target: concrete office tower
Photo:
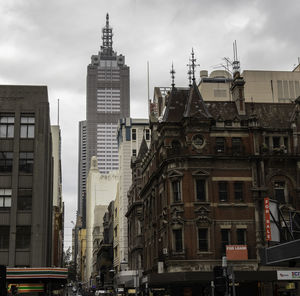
column 100, row 190
column 58, row 206
column 25, row 177
column 107, row 101
column 82, row 174
column 130, row 135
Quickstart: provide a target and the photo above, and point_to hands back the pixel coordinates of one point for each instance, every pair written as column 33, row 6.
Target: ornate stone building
column 203, row 183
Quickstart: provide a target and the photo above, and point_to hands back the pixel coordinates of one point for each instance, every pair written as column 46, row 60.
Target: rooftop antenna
column 107, row 37
column 235, row 63
column 172, row 72
column 57, row 111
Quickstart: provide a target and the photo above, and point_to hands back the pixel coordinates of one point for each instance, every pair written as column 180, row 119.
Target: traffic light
column 220, row 281
column 3, row 289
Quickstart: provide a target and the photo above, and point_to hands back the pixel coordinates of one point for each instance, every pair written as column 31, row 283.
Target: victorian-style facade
column 201, row 187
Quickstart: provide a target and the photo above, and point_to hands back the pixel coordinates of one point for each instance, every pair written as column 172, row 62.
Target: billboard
column 236, row 252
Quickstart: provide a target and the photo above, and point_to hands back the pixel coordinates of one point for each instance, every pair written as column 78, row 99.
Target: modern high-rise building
column 107, row 101
column 26, row 199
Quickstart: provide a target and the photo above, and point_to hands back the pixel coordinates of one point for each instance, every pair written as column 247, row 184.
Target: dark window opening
column 147, row 134
column 279, row 188
column 24, row 200
column 26, row 162
column 236, row 145
column 220, row 144
column 203, row 239
column 178, row 240
column 176, row 191
column 276, row 142
column 223, row 194
column 133, row 134
column 238, row 191
column 4, row 237
column 241, row 236
column 200, row 190
column 6, row 162
column 225, row 239
column 133, row 152
column 23, row 237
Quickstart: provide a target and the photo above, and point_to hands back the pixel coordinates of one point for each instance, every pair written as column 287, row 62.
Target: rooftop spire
column 107, row 34
column 172, row 72
column 193, row 65
column 190, row 74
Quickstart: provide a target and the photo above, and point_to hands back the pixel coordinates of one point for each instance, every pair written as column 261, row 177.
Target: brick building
column 203, row 183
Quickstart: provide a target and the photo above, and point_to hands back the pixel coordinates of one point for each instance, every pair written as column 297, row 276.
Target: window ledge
column 204, row 253
column 201, row 203
column 177, row 203
column 232, row 204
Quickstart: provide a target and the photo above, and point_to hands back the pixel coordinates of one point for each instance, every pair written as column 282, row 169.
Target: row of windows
column 7, row 126
column 203, row 239
column 134, row 134
column 23, row 237
column 24, row 200
column 25, row 162
column 279, row 187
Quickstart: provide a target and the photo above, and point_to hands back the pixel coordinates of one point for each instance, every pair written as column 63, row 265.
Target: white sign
column 288, row 275
column 160, row 267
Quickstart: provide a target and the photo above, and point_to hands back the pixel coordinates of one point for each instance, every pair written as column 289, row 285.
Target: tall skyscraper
column 107, row 101
column 82, row 172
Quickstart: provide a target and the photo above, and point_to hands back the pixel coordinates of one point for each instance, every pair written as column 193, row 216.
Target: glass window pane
column 23, row 131
column 2, row 131
column 7, row 202
column 1, row 201
column 31, row 131
column 10, row 131
column 10, row 119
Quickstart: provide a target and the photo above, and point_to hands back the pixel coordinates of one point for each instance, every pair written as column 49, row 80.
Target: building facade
column 204, row 179
column 261, row 86
column 82, row 173
column 131, row 133
column 101, row 190
column 26, row 198
column 107, row 101
column 58, row 205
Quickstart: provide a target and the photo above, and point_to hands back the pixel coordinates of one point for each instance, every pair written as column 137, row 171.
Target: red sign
column 267, row 219
column 236, row 252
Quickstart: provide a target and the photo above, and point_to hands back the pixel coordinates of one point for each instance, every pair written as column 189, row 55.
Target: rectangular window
column 23, row 237
column 5, row 198
column 225, row 239
column 236, row 145
column 133, row 134
column 276, row 142
column 4, row 237
column 6, row 161
column 220, row 144
column 133, row 152
column 238, row 191
column 241, row 236
column 203, row 239
column 200, row 190
column 26, row 162
column 279, row 188
column 147, row 134
column 27, row 127
column 177, row 233
column 223, row 193
column 176, row 191
column 7, row 126
column 25, row 200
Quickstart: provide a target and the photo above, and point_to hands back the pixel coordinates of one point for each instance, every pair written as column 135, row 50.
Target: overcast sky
column 50, row 42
